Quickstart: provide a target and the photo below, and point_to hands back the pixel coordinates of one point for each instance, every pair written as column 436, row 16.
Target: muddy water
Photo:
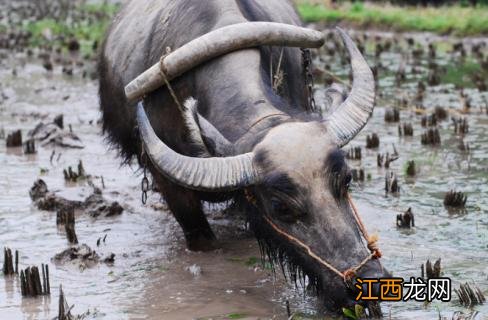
column 459, row 238
column 150, row 276
column 154, row 277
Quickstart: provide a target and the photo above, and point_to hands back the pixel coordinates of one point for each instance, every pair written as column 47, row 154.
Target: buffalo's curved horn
column 204, row 174
column 219, row 42
column 351, row 116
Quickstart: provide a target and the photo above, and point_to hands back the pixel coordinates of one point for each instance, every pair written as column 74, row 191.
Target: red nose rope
column 349, row 273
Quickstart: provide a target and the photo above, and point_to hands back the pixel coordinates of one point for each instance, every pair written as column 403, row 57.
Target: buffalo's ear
column 203, row 133
column 191, row 123
column 334, row 97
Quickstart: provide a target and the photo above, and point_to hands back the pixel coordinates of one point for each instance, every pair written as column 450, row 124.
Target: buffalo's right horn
column 351, row 116
column 205, row 174
column 219, row 42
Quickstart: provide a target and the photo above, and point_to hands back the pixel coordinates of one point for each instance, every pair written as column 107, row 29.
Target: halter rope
column 162, row 72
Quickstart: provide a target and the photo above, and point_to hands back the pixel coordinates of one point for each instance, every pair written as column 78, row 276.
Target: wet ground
column 152, row 273
column 154, row 277
column 458, row 237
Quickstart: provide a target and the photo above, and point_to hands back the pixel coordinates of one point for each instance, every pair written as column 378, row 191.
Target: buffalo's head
column 296, row 182
column 302, row 214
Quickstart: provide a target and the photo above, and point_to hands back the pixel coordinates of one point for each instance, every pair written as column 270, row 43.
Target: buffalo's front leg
column 187, row 209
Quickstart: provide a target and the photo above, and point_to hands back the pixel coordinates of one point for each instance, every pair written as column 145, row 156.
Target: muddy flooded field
column 452, row 95
column 140, row 268
column 152, row 275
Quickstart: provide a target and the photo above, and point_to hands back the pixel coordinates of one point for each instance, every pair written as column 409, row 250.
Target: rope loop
column 349, row 274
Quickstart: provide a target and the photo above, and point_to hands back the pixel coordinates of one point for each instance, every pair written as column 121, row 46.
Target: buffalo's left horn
column 219, row 42
column 351, row 116
column 205, row 174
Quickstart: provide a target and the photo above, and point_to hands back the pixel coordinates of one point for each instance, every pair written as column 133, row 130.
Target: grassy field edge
column 455, row 20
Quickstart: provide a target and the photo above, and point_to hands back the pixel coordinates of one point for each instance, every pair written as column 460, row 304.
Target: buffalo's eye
column 340, row 183
column 283, row 212
column 276, row 205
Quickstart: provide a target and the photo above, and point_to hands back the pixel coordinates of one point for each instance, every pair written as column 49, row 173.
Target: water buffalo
column 228, row 130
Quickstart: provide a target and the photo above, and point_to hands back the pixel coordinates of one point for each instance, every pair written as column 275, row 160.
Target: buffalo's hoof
column 202, row 242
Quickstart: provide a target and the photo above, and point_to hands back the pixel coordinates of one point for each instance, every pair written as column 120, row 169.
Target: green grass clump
column 236, row 316
column 96, row 8
column 86, row 31
column 456, row 20
column 354, row 313
column 461, row 74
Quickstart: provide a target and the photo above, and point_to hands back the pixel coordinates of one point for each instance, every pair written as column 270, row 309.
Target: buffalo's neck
column 236, row 98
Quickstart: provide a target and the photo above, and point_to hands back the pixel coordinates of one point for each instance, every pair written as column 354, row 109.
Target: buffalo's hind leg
column 187, row 209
